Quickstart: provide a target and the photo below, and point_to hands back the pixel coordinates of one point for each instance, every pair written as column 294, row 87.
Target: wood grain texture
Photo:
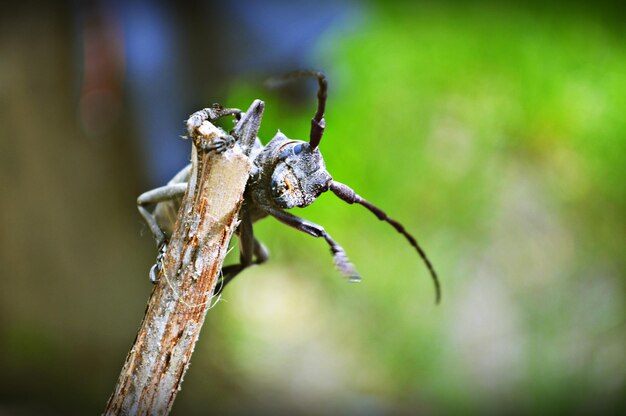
column 155, row 366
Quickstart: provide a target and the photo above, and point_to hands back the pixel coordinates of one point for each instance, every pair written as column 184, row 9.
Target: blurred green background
column 496, row 134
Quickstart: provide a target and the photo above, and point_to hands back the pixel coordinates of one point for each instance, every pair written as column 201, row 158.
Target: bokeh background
column 495, row 133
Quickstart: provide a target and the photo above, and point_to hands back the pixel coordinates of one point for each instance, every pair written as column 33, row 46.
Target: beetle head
column 300, row 175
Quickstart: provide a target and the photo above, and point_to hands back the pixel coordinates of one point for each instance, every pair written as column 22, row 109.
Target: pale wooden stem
column 155, row 366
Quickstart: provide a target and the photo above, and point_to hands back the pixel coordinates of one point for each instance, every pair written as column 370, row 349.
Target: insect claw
column 154, row 273
column 158, row 264
column 218, row 144
column 345, row 267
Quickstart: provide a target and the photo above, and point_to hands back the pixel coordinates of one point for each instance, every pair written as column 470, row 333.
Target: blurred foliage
column 495, row 134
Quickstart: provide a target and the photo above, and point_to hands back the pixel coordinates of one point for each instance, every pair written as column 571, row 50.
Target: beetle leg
column 341, row 259
column 348, row 195
column 261, row 255
column 251, row 252
column 162, row 193
column 219, row 144
column 154, row 196
column 158, row 264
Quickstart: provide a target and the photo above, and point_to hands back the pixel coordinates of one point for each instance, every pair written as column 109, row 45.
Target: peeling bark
column 155, row 366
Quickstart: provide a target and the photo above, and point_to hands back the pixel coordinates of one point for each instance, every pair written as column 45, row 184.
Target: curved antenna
column 317, row 122
column 348, row 195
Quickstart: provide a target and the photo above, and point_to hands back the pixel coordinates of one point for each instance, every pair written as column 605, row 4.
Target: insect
column 286, row 173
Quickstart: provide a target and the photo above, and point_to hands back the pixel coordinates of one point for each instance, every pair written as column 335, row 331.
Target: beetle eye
column 297, row 149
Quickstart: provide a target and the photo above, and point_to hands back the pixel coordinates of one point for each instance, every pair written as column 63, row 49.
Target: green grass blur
column 497, row 138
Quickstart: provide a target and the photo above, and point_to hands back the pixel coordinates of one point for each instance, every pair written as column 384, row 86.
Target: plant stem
column 155, row 366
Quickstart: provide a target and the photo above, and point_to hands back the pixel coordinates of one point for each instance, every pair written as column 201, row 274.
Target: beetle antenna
column 348, row 195
column 317, row 123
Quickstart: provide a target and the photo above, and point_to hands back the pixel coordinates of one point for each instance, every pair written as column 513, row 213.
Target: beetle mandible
column 286, row 173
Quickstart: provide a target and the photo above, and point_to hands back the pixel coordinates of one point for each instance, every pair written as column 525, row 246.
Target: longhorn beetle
column 286, row 173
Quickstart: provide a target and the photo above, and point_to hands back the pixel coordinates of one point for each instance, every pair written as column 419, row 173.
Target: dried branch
column 155, row 366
